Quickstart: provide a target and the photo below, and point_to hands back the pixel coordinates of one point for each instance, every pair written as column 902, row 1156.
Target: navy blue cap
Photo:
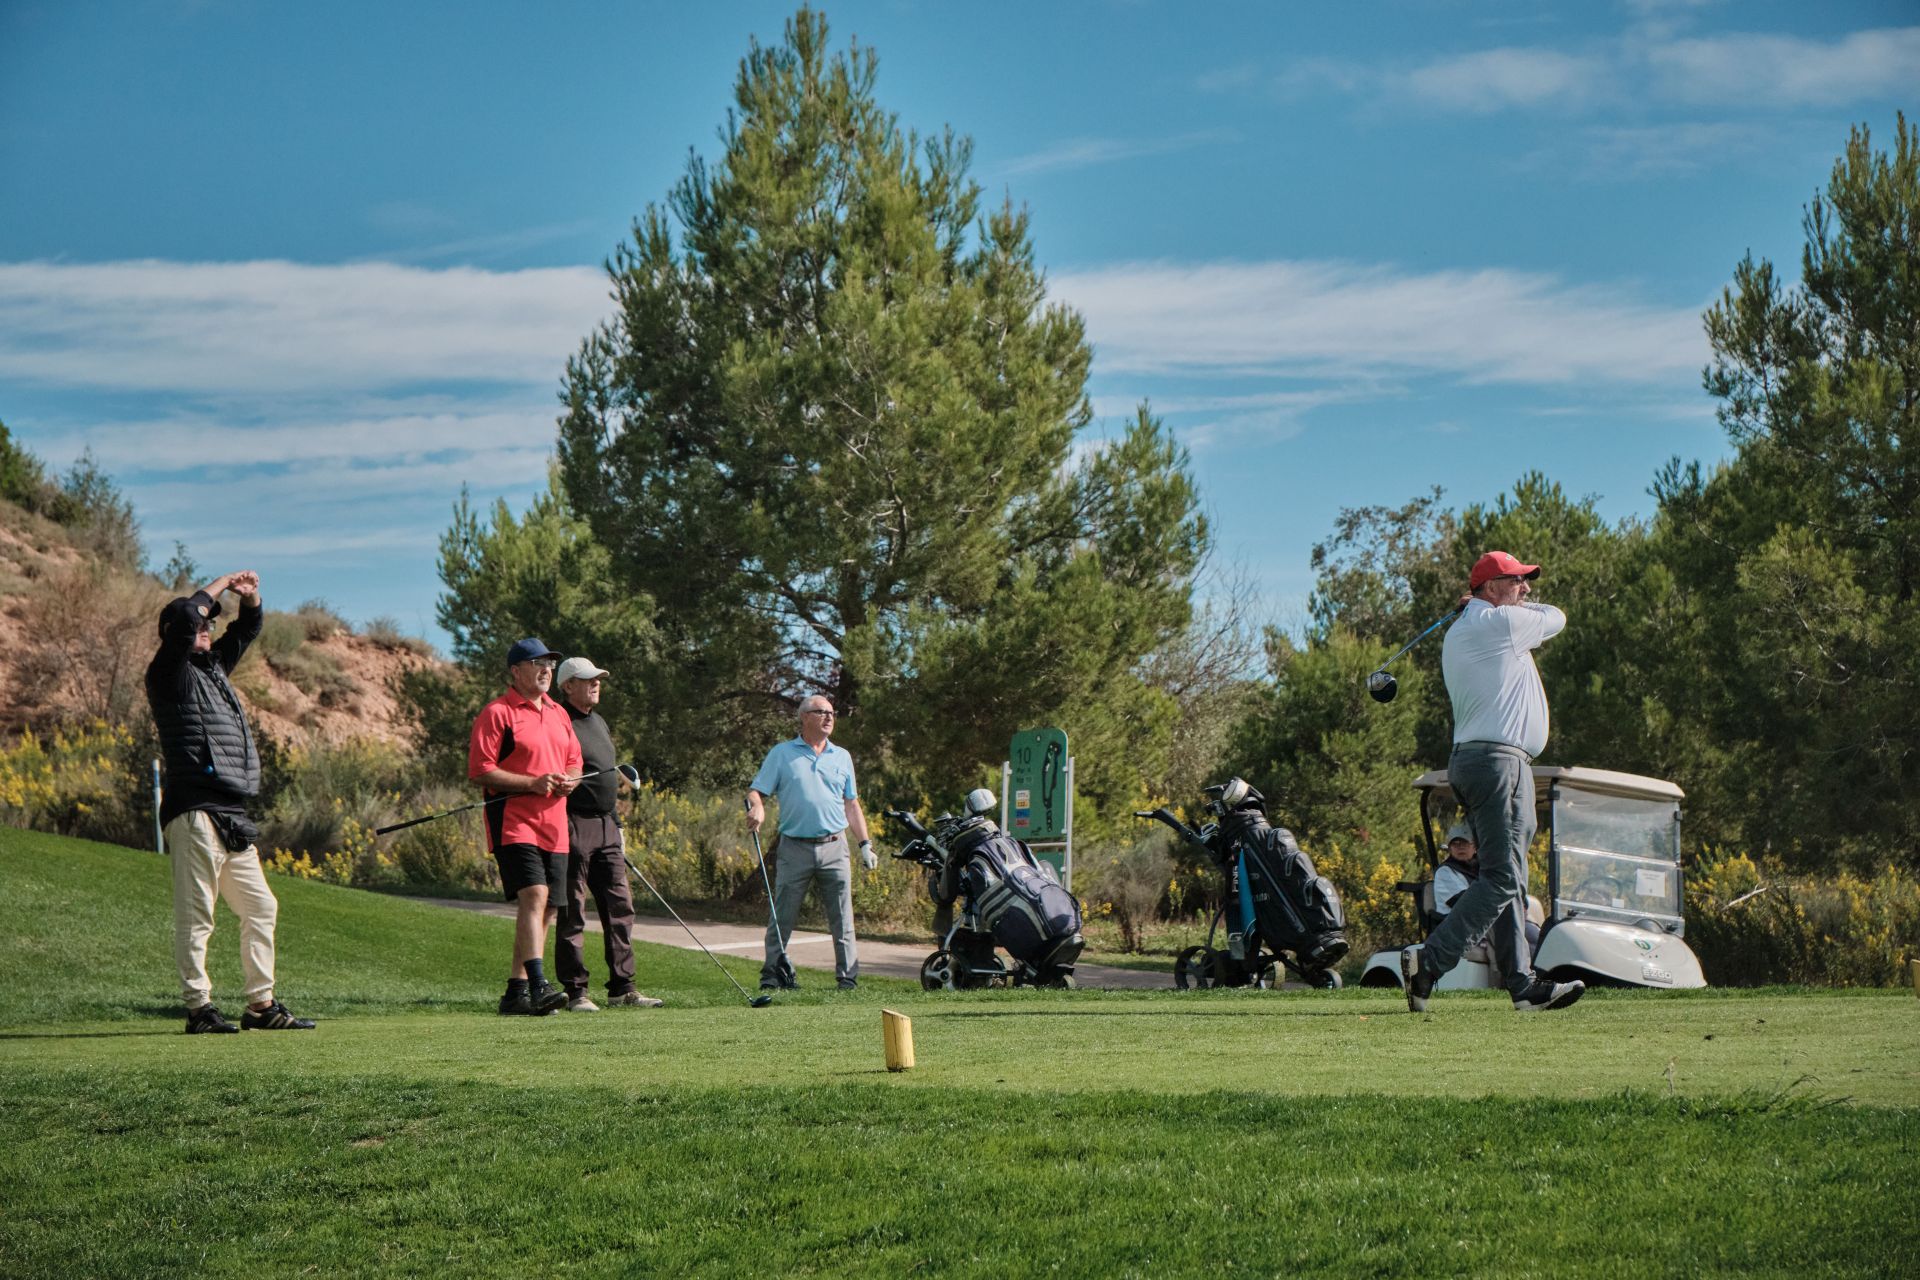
column 529, row 649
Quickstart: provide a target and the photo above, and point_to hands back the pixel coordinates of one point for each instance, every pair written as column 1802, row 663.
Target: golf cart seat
column 1430, row 917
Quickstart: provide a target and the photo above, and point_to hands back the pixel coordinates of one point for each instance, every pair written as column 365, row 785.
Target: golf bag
column 1277, row 909
column 1009, row 899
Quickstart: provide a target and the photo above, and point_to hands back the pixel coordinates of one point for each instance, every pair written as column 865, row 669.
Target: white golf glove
column 867, row 856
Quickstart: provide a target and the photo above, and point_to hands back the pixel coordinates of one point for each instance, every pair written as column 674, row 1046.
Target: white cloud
column 1079, row 153
column 1770, row 70
column 1495, row 79
column 280, row 326
column 1338, row 320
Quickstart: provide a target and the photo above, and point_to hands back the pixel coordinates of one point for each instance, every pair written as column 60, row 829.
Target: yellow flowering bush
column 1753, row 923
column 77, row 781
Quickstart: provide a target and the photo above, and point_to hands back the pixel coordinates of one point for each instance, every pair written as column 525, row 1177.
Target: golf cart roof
column 1604, row 780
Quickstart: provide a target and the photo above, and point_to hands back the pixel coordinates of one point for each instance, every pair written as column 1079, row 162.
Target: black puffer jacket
column 208, row 750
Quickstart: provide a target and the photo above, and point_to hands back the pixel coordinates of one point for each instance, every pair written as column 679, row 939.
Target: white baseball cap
column 576, row 669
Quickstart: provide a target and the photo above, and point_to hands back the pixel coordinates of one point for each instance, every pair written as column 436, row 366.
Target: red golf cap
column 1498, row 564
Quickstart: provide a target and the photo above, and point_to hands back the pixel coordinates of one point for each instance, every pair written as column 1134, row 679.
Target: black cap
column 183, row 611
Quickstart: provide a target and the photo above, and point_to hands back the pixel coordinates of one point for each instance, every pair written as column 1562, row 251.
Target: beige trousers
column 204, row 869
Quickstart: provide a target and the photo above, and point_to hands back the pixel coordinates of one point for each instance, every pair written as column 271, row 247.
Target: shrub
column 318, row 674
column 74, row 782
column 1378, row 914
column 93, row 629
column 280, row 635
column 450, row 852
column 319, row 621
column 320, row 787
column 359, row 861
column 1129, row 884
column 1753, row 923
column 386, row 633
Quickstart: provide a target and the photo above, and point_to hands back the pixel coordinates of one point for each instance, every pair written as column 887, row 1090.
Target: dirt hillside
column 76, row 636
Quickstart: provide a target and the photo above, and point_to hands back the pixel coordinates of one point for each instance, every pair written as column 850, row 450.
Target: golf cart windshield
column 1615, row 856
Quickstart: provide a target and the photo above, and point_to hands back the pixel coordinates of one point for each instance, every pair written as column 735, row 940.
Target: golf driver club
column 627, row 771
column 753, row 1002
column 1382, row 686
column 786, row 965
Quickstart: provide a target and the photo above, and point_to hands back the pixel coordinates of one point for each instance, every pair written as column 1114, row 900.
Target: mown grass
column 1086, row 1133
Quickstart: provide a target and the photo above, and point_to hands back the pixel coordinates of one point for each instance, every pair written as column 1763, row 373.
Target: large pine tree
column 831, row 433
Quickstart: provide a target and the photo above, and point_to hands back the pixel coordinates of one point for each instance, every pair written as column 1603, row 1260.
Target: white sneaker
column 582, row 1004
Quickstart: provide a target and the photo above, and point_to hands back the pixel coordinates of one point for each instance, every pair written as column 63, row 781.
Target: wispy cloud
column 281, row 326
column 1496, row 79
column 1080, row 153
column 1339, row 320
column 1782, row 71
column 1649, row 61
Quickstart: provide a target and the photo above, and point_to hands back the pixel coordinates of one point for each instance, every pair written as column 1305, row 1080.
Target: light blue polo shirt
column 813, row 789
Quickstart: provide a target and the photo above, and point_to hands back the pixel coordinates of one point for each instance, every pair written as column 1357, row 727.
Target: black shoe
column 848, row 984
column 209, row 1021
column 1419, row 982
column 274, row 1018
column 1541, row 995
column 516, row 1004
column 546, row 997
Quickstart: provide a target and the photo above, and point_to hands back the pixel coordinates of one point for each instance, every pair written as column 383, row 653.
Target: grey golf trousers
column 1496, row 783
column 798, row 864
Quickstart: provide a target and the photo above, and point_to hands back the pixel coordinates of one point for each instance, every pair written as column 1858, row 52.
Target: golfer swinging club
column 1499, row 726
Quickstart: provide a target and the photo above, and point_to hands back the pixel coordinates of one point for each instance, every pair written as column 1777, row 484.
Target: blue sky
column 296, row 273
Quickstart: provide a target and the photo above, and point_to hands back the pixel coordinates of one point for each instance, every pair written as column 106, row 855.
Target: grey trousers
column 797, row 865
column 1496, row 783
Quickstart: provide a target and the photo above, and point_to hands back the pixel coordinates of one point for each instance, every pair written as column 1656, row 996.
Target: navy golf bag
column 1277, row 909
column 1009, row 899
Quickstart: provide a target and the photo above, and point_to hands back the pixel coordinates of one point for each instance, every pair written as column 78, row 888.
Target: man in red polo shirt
column 523, row 748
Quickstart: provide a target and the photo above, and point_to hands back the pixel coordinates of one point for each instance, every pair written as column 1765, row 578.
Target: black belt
column 826, row 839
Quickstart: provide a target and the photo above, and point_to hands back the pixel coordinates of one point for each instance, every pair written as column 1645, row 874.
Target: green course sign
column 1037, row 780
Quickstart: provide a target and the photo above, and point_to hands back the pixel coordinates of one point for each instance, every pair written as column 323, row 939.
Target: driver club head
column 1382, row 686
column 760, row 1002
column 631, row 774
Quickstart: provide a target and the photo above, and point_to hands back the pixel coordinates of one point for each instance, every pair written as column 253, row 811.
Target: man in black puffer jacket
column 212, row 770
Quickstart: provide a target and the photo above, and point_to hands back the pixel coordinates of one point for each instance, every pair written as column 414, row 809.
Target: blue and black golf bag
column 1277, row 909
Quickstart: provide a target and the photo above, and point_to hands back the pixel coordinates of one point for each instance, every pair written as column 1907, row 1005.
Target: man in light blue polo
column 813, row 781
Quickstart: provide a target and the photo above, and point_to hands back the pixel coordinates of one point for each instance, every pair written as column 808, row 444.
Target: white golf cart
column 1613, row 912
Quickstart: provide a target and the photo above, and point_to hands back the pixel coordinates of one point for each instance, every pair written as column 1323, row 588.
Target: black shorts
column 523, row 865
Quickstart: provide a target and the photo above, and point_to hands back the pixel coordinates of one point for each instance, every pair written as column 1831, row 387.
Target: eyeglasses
column 817, row 711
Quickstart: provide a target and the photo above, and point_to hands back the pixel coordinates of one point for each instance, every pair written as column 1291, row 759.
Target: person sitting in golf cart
column 1461, row 869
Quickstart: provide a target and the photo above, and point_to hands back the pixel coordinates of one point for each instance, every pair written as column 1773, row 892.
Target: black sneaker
column 546, row 997
column 1419, row 982
column 516, row 1004
column 209, row 1021
column 1540, row 996
column 274, row 1018
column 848, row 984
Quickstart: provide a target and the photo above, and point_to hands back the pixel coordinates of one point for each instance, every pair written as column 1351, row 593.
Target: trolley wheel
column 1193, row 969
column 1323, row 979
column 1060, row 982
column 1267, row 979
column 936, row 972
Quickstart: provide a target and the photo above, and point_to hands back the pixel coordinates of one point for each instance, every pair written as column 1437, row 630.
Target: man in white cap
column 1499, row 728
column 596, row 854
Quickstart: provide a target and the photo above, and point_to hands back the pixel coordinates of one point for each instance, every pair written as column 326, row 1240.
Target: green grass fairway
column 1043, row 1133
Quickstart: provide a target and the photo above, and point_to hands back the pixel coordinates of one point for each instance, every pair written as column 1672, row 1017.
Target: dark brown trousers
column 596, row 864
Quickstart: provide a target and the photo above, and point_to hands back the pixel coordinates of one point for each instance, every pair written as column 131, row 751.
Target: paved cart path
column 815, row 950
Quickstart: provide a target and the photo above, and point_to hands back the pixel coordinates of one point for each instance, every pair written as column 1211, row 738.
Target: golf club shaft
column 1439, row 622
column 773, row 910
column 477, row 804
column 684, row 925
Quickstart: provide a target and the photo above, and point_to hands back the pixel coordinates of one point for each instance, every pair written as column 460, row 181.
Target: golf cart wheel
column 936, row 972
column 1193, row 969
column 1323, row 980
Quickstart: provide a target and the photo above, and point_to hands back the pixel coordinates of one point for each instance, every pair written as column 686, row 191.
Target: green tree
column 831, row 435
column 541, row 574
column 1800, row 558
